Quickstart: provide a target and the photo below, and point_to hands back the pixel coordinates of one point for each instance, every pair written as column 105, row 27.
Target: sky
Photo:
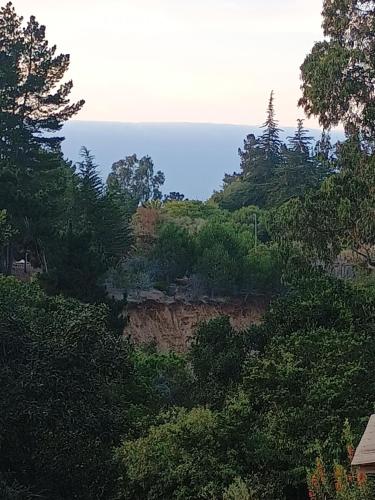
column 205, row 61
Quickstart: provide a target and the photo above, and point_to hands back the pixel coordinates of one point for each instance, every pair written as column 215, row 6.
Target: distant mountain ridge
column 193, row 156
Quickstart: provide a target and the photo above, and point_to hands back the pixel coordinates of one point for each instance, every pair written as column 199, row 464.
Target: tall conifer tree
column 34, row 103
column 33, row 99
column 301, row 141
column 270, row 140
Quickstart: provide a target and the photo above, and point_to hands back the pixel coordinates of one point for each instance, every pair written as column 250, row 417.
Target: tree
column 314, row 346
column 324, row 149
column 33, row 101
column 271, row 173
column 134, row 182
column 217, row 354
column 174, row 196
column 33, row 104
column 34, row 199
column 173, row 252
column 300, row 142
column 270, row 139
column 69, row 393
column 344, row 483
column 174, row 460
column 339, row 73
column 91, row 185
column 344, row 219
column 338, row 85
column 95, row 237
column 5, row 235
column 219, row 257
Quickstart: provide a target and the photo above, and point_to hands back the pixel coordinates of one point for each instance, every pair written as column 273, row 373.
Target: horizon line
column 334, row 129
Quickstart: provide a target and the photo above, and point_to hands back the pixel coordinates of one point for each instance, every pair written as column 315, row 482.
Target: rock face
column 171, row 324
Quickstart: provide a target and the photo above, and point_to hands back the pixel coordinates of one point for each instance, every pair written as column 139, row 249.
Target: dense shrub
column 68, row 394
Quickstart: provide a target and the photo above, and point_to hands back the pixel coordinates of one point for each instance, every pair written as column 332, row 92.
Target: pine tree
column 33, row 101
column 90, row 193
column 33, row 104
column 90, row 181
column 300, row 142
column 270, row 140
column 95, row 238
column 324, row 148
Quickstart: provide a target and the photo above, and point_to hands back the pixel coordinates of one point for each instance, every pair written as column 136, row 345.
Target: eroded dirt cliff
column 171, row 325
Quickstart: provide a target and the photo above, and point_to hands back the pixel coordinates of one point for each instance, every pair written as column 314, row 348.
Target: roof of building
column 365, row 453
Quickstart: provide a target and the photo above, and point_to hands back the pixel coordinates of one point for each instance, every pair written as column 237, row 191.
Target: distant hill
column 193, row 156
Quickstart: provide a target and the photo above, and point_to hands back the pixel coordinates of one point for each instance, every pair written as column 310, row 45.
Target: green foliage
column 218, row 257
column 33, row 100
column 192, row 214
column 33, row 195
column 132, row 181
column 345, row 219
column 166, row 374
column 95, row 238
column 213, row 247
column 252, row 219
column 33, row 103
column 262, row 270
column 240, row 193
column 175, row 459
column 300, row 143
column 229, row 261
column 68, row 394
column 345, row 483
column 174, row 252
column 14, row 491
column 238, row 490
column 282, row 391
column 274, row 396
column 217, row 354
column 270, row 141
column 272, row 172
column 338, row 74
column 5, row 230
column 315, row 347
column 174, row 196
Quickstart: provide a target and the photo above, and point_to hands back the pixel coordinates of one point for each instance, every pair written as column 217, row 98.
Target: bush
column 68, row 394
column 173, row 251
column 174, row 460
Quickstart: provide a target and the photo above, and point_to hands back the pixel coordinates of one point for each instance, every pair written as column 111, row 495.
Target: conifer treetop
column 270, row 140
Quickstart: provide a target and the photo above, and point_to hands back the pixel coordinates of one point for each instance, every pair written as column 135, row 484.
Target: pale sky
column 183, row 60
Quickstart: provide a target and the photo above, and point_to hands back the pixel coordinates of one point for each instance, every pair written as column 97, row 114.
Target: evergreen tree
column 33, row 104
column 325, row 154
column 270, row 140
column 259, row 157
column 174, row 196
column 324, row 148
column 248, row 156
column 90, row 185
column 250, row 186
column 33, row 101
column 95, row 238
column 301, row 141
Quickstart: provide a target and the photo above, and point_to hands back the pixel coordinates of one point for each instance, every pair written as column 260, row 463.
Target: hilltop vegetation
column 258, row 414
